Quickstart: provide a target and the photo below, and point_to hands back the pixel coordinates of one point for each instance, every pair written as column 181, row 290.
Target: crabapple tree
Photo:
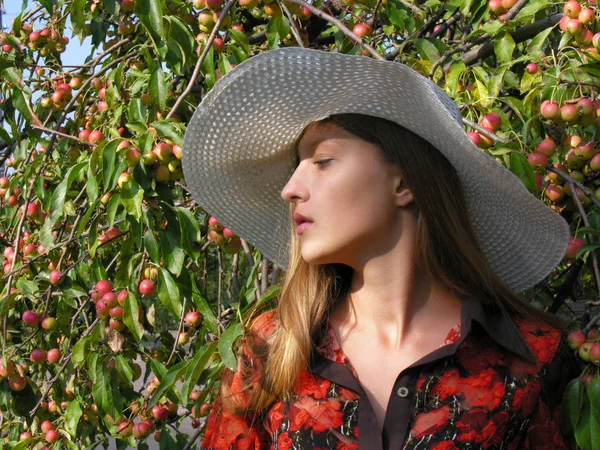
column 122, row 300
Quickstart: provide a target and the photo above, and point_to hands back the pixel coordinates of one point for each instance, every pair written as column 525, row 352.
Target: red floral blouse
column 495, row 383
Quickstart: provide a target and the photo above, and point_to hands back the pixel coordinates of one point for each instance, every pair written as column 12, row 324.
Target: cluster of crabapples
column 168, row 409
column 211, row 10
column 60, row 89
column 578, row 22
column 16, row 373
column 27, row 250
column 588, row 349
column 491, row 122
column 164, row 160
column 500, row 7
column 574, row 154
column 109, row 306
column 223, row 237
column 45, row 41
column 48, row 429
column 192, row 321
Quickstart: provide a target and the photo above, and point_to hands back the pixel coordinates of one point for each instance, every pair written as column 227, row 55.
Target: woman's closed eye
column 323, row 162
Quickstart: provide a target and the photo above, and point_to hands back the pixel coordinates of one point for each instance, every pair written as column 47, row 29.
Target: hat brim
column 238, row 153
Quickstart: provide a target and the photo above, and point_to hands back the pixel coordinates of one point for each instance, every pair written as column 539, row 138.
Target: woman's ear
column 404, row 195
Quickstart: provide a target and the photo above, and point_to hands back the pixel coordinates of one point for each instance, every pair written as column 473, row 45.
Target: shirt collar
column 498, row 325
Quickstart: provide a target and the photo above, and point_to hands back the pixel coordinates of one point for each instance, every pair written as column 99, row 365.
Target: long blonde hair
column 447, row 252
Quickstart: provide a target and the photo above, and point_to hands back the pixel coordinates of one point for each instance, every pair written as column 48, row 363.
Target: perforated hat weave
column 238, row 153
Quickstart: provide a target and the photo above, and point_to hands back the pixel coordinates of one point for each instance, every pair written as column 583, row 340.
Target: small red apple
column 574, row 245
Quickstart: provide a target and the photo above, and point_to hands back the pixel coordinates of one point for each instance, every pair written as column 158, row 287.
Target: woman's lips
column 302, row 227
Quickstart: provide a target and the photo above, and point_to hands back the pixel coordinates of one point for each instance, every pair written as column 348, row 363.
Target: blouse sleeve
column 230, row 430
column 545, row 429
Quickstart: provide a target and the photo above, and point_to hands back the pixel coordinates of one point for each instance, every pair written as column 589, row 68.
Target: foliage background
column 151, row 63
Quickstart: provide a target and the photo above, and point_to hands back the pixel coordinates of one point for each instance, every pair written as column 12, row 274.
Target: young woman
column 399, row 323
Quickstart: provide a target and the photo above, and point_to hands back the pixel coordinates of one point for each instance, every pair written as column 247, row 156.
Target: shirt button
column 402, row 392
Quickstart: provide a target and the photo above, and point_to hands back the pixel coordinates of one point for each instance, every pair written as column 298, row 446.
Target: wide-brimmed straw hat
column 239, row 152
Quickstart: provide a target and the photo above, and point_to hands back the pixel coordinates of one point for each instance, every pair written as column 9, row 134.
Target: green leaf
column 208, row 68
column 587, row 248
column 13, row 75
column 588, row 230
column 172, row 252
column 588, row 427
column 530, row 10
column 519, row 165
column 515, row 104
column 182, row 34
column 189, row 228
column 132, row 196
column 396, row 14
column 103, row 392
column 158, row 89
column 240, row 38
column 204, row 308
column 226, row 342
column 169, row 130
column 72, row 416
column 124, row 368
column 80, row 350
column 91, row 186
column 169, row 380
column 57, row 203
column 108, row 160
column 540, row 40
column 168, row 292
column 283, row 26
column 456, row 69
column 111, row 209
column 25, row 444
column 496, row 82
column 175, row 57
column 504, row 47
column 136, row 112
column 592, row 69
column 151, row 245
column 48, row 4
column 21, row 102
column 196, row 367
column 151, row 15
column 427, row 50
column 272, row 34
column 572, row 401
column 131, row 316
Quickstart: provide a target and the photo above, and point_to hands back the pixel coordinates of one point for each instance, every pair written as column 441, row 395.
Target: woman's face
column 351, row 198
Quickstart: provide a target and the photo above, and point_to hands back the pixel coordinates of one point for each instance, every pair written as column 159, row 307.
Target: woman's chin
column 318, row 257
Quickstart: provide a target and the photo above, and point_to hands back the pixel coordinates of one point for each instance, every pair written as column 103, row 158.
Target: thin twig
column 251, row 262
column 196, row 435
column 567, row 177
column 400, row 49
column 176, row 343
column 587, row 224
column 264, row 276
column 61, row 370
column 487, row 133
column 293, row 26
column 67, row 136
column 205, row 51
column 323, row 15
column 519, row 35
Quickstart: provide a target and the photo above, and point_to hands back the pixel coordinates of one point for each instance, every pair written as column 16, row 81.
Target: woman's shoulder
column 264, row 324
column 260, row 329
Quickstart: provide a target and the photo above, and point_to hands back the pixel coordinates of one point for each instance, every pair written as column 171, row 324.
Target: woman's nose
column 294, row 189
